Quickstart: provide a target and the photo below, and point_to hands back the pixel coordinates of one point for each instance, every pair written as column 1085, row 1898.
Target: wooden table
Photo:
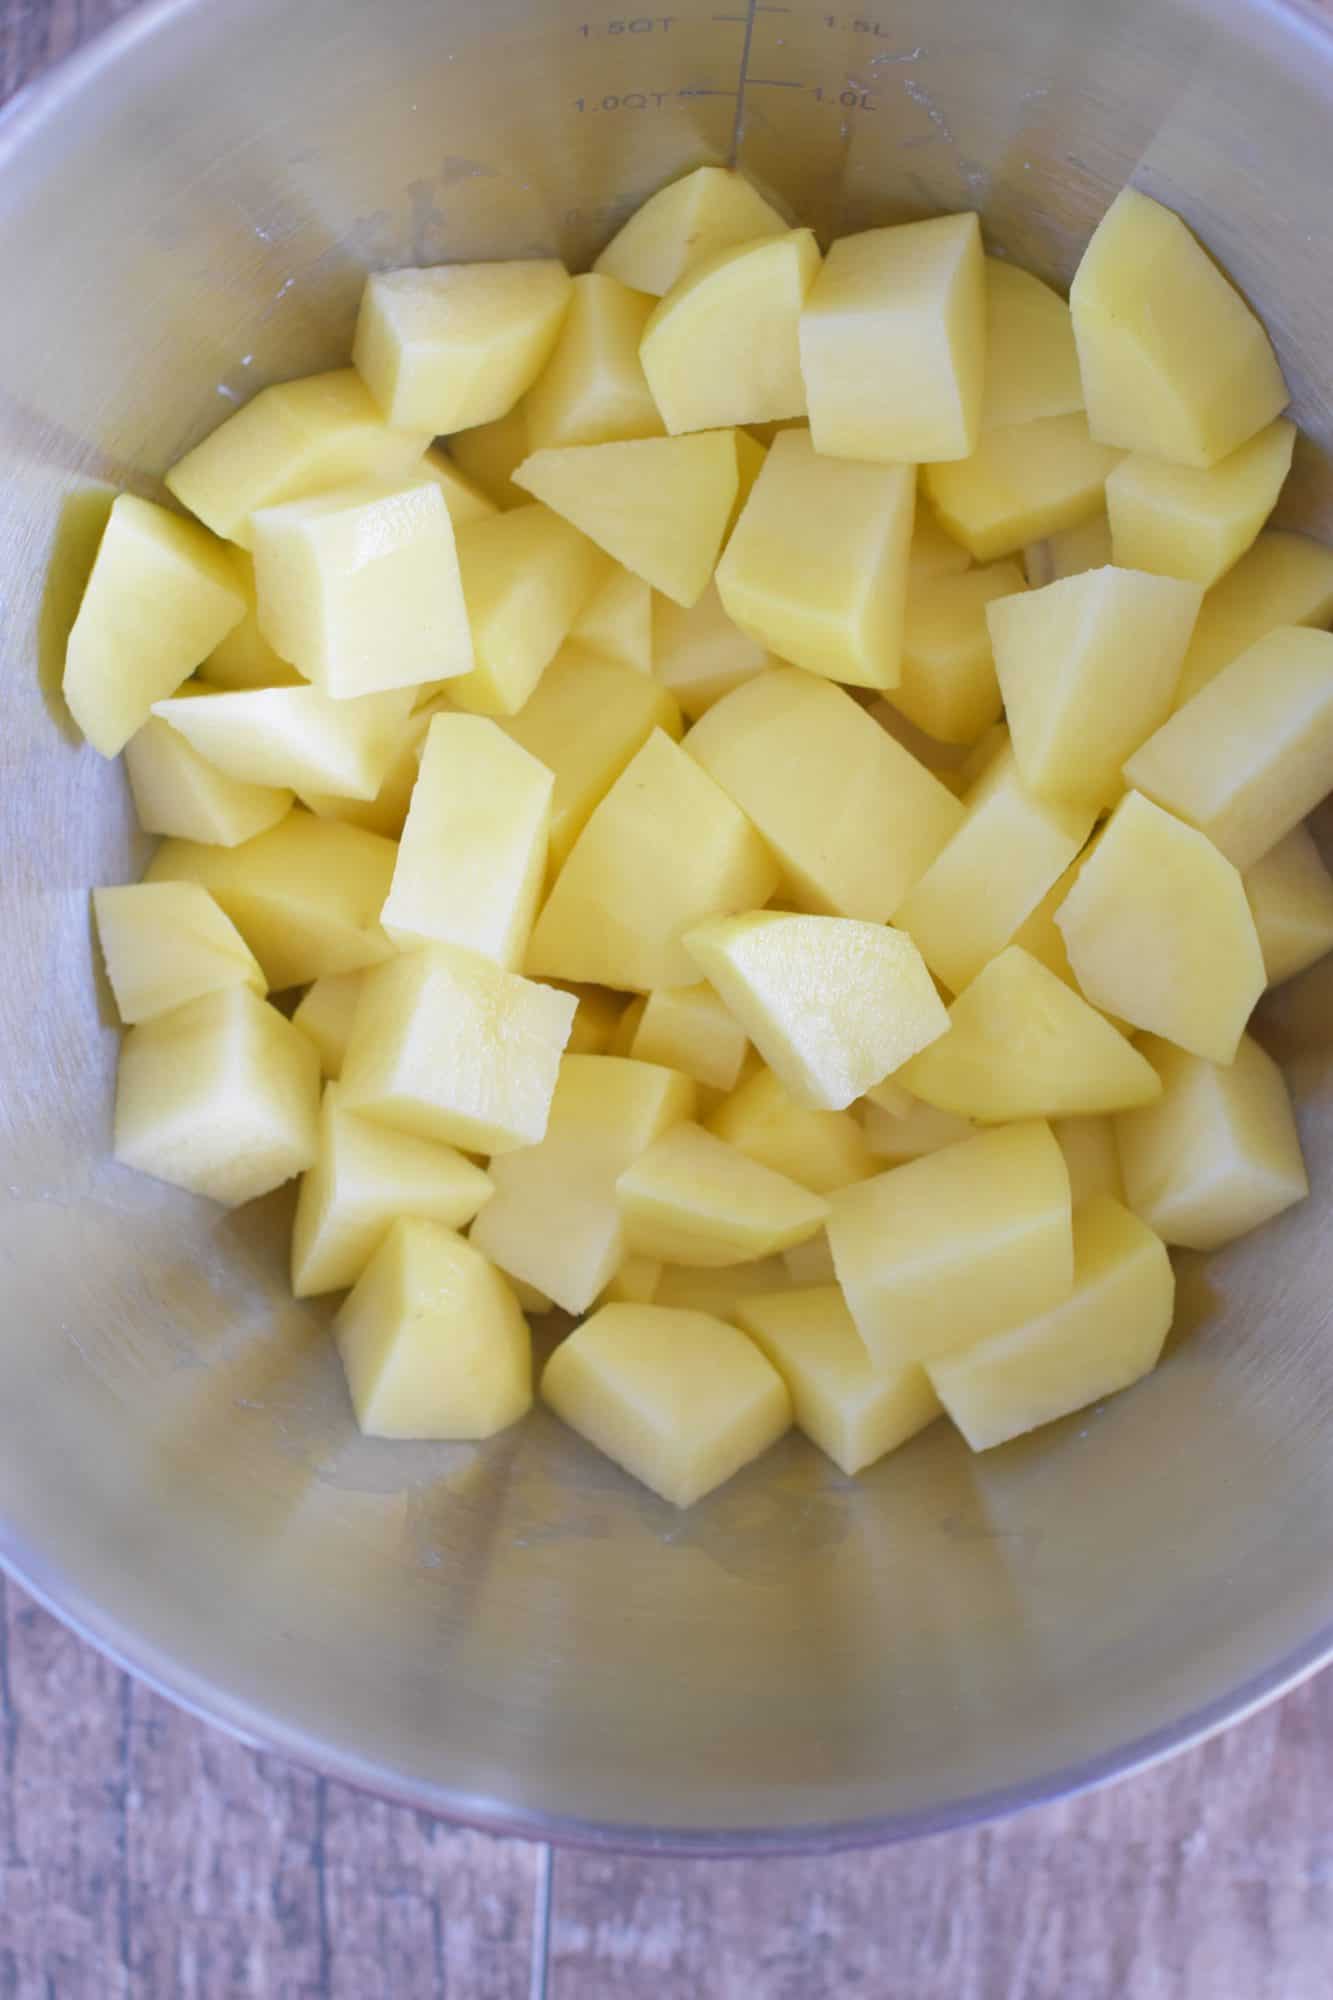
column 145, row 1855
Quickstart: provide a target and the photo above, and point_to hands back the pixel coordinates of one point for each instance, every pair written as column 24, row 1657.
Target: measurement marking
column 690, row 91
column 742, row 18
column 738, row 123
column 773, row 83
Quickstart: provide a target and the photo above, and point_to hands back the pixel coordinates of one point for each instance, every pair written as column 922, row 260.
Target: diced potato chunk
column 719, row 1292
column 700, row 653
column 1088, row 546
column 1092, row 1157
column 816, row 568
column 1180, row 521
column 365, row 1178
column 472, row 860
column 595, row 1023
column 721, row 347
column 161, row 595
column 660, row 506
column 688, row 1028
column 693, row 1199
column 634, row 1283
column 176, row 791
column 965, row 1242
column 386, row 812
column 852, row 817
column 1021, row 1044
column 1173, row 360
column 490, row 454
column 933, row 553
column 1105, row 1335
column 463, row 498
column 704, row 212
column 165, row 943
column 1283, row 580
column 664, row 850
column 243, row 657
column 294, row 737
column 1022, row 483
column 1159, row 932
column 678, row 1399
column 893, row 342
column 593, row 389
column 359, row 588
column 457, row 344
column 617, row 621
column 852, row 1410
column 1252, row 754
column 1218, row 1154
column 811, row 1263
column 220, row 1096
column 432, row 1340
column 554, row 1219
column 948, row 685
column 1031, row 362
column 822, row 1150
column 325, row 1015
column 911, row 1134
column 526, row 576
column 1290, row 893
column 453, row 1048
column 1074, row 712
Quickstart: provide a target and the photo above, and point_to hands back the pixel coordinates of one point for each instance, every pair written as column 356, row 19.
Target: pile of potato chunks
column 781, row 823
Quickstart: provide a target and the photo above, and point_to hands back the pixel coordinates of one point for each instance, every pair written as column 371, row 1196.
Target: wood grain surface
column 143, row 1856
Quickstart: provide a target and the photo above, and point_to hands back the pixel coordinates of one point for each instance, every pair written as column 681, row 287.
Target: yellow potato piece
column 1283, row 580
column 294, row 737
column 599, row 1012
column 719, row 1292
column 463, row 498
column 679, row 1400
column 617, row 621
column 688, row 1028
column 831, row 1004
column 325, row 1015
column 706, row 211
column 161, row 595
column 432, row 1340
column 816, row 567
column 1159, row 932
column 822, row 1150
column 634, row 1283
column 1031, row 366
column 453, row 1048
column 965, row 1242
column 948, row 685
column 220, row 1096
column 660, row 506
column 1107, row 1334
column 1252, row 753
column 386, row 812
column 531, row 1301
column 1173, row 360
column 692, row 1199
column 490, row 454
column 932, row 552
column 1020, row 1044
column 898, row 1136
column 1218, row 1154
column 893, row 342
column 664, row 850
column 1087, row 546
column 593, row 389
column 176, row 791
column 1092, row 1157
column 1290, row 894
column 164, row 943
column 700, row 654
column 1074, row 713
column 244, row 658
column 850, row 1409
column 811, row 1263
column 454, row 345
column 1022, row 483
column 1180, row 521
column 721, row 347
column 526, row 576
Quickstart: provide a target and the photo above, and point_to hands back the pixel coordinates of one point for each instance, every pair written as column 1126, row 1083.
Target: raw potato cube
column 472, row 860
column 664, row 850
column 1022, row 1045
column 1252, row 754
column 531, row 1301
column 599, row 1012
column 464, row 499
column 719, row 1292
column 704, row 212
column 700, row 653
column 634, row 1284
column 162, row 593
column 306, row 896
column 243, row 658
column 326, row 1014
column 846, row 1406
column 1074, row 712
column 617, row 621
column 593, row 389
column 526, row 576
column 290, row 441
column 365, row 1178
column 852, row 817
column 660, row 506
column 816, row 567
column 175, row 791
column 822, row 1150
column 1159, row 932
column 1031, row 362
column 554, row 1219
column 990, row 877
column 948, row 685
column 458, row 344
column 586, row 720
column 490, row 454
column 693, row 1199
column 811, row 1263
column 386, row 812
column 1042, row 938
column 433, row 1341
column 891, row 1096
column 933, row 553
column 450, row 1047
column 1092, row 1157
column 1088, row 546
column 1179, row 521
column 627, row 1027
column 294, row 737
column 220, row 1096
column 360, row 589
column 1105, row 1335
column 1291, row 900
column 1173, row 360
column 688, row 1028
column 960, row 1244
column 893, row 342
column 1283, row 580
column 1218, row 1154
column 721, row 347
column 168, row 942
column 910, row 1135
column 678, row 1399
column 832, row 1005
column 1022, row 483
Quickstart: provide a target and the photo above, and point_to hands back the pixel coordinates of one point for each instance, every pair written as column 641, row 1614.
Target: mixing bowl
column 516, row 1634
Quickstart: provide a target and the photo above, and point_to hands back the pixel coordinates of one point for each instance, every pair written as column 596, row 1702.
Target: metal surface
column 516, row 1634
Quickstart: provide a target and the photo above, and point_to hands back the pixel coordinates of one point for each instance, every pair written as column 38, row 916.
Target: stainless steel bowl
column 517, row 1635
